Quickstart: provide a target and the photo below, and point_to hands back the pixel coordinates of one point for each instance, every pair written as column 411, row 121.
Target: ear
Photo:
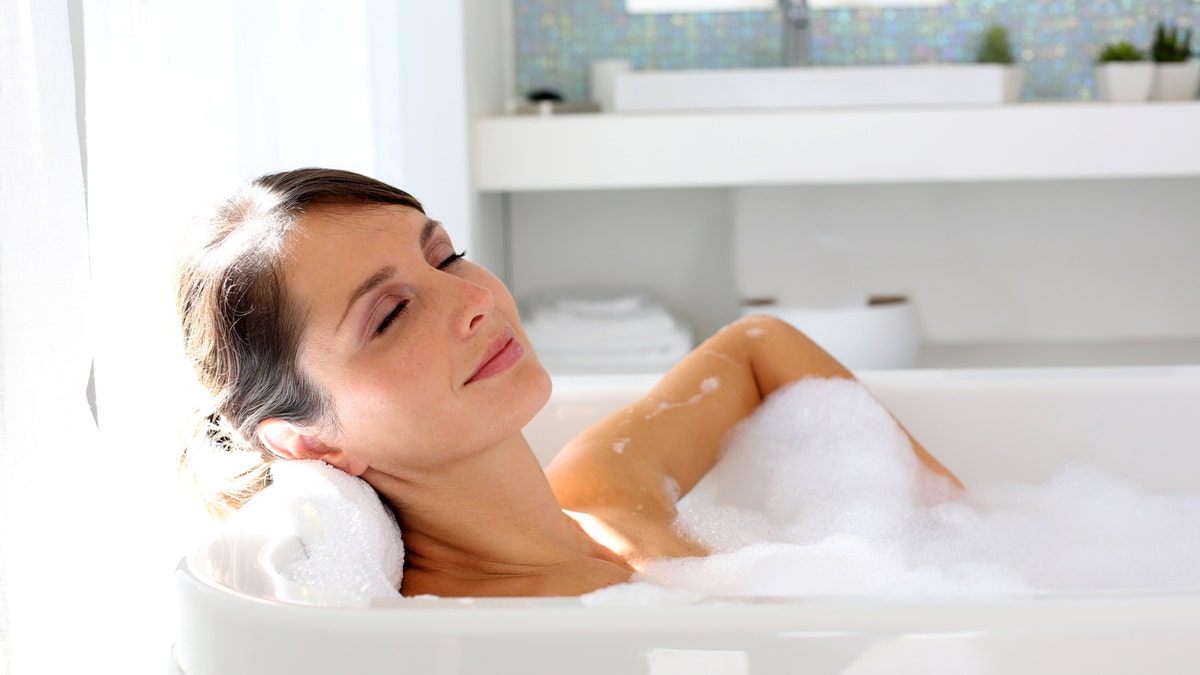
column 289, row 441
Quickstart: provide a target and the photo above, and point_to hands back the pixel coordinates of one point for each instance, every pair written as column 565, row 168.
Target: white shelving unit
column 995, row 143
column 1026, row 145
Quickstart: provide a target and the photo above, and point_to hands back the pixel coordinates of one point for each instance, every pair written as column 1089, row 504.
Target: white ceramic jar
column 1124, row 81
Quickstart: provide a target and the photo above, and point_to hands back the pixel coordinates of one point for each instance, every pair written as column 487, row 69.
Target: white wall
column 1048, row 260
column 1021, row 261
column 488, row 32
column 453, row 58
column 674, row 242
column 431, row 49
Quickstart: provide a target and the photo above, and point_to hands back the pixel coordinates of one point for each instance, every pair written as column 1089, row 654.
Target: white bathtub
column 986, row 425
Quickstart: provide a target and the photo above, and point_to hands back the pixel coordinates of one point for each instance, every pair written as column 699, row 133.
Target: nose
column 474, row 305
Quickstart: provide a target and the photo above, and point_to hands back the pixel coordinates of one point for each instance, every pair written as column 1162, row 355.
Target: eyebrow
column 386, row 272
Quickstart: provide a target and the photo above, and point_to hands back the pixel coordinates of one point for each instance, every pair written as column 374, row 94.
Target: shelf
column 1060, row 354
column 991, row 355
column 1035, row 141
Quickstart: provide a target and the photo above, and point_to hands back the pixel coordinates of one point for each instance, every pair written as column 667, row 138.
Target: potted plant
column 1122, row 73
column 1176, row 74
column 995, row 47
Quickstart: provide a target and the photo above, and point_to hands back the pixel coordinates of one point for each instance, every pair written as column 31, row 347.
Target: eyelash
column 395, row 313
column 449, row 262
column 391, row 317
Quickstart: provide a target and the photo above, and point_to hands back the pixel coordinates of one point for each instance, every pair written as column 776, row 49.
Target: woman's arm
column 678, row 429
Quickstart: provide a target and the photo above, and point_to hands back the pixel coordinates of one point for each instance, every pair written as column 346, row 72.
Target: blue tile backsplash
column 1055, row 41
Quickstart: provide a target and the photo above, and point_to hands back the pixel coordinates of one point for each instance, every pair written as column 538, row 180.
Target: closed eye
column 450, row 261
column 390, row 318
column 399, row 309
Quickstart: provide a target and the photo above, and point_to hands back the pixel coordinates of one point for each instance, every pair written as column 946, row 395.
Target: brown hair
column 242, row 333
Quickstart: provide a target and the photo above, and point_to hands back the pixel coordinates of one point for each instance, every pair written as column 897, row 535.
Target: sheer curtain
column 50, row 511
column 185, row 99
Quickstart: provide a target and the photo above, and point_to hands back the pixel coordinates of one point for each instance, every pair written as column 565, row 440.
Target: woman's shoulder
column 626, row 506
column 602, row 469
column 645, row 455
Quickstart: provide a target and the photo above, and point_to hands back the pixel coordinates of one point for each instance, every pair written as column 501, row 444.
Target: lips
column 501, row 354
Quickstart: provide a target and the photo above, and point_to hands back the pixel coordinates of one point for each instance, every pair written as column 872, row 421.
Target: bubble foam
column 819, row 493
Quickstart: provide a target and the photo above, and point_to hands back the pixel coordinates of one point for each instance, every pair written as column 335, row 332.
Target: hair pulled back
column 242, row 333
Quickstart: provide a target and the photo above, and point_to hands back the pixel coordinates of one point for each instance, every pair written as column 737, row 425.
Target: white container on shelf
column 1176, row 81
column 867, row 336
column 603, row 73
column 1013, row 79
column 1124, row 82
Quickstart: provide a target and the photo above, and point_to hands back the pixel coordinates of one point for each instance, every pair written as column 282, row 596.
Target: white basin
column 816, row 87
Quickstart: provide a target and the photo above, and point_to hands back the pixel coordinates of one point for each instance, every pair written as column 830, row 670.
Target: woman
column 328, row 318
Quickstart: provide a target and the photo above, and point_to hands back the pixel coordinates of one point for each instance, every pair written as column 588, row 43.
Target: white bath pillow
column 323, row 537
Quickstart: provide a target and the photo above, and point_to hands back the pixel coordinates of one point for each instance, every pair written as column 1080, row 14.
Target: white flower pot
column 1124, row 82
column 1176, row 81
column 1014, row 80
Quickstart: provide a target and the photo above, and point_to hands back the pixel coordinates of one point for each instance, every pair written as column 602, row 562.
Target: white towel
column 327, row 538
column 594, row 332
column 648, row 358
column 600, row 306
column 567, row 328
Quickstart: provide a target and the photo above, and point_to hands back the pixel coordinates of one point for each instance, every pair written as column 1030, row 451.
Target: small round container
column 872, row 336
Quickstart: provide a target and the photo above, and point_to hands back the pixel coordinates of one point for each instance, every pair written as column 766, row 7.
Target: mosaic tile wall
column 1054, row 40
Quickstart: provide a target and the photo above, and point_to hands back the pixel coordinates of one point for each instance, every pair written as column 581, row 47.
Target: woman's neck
column 490, row 525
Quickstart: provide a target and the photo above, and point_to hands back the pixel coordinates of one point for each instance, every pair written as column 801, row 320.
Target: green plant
column 1120, row 51
column 1171, row 45
column 995, row 47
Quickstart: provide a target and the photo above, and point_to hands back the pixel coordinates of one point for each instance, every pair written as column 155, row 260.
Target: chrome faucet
column 797, row 44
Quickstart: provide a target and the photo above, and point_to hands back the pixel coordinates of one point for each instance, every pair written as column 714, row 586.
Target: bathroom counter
column 1031, row 141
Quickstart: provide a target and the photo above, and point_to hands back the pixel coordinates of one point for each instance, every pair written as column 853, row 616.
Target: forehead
column 333, row 235
column 349, row 222
column 333, row 249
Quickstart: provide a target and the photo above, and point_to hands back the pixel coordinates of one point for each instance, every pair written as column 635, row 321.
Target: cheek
column 373, row 394
column 379, row 395
column 383, row 423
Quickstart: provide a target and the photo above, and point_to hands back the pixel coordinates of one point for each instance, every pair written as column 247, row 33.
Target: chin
column 543, row 382
column 533, row 380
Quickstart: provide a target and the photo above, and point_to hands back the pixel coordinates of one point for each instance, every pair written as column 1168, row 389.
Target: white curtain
column 184, row 99
column 50, row 507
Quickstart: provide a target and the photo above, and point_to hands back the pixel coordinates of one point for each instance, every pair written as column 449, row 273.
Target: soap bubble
column 819, row 493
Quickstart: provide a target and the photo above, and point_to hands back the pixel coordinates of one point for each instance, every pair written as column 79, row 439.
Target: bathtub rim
column 750, row 615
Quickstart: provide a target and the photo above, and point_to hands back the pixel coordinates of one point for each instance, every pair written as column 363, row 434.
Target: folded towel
column 565, row 328
column 648, row 358
column 597, row 342
column 327, row 538
column 600, row 306
column 594, row 332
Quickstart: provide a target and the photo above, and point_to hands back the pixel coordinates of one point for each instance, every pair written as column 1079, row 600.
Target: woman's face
column 420, row 351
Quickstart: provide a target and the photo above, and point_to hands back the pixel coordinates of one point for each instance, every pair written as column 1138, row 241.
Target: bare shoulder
column 643, row 457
